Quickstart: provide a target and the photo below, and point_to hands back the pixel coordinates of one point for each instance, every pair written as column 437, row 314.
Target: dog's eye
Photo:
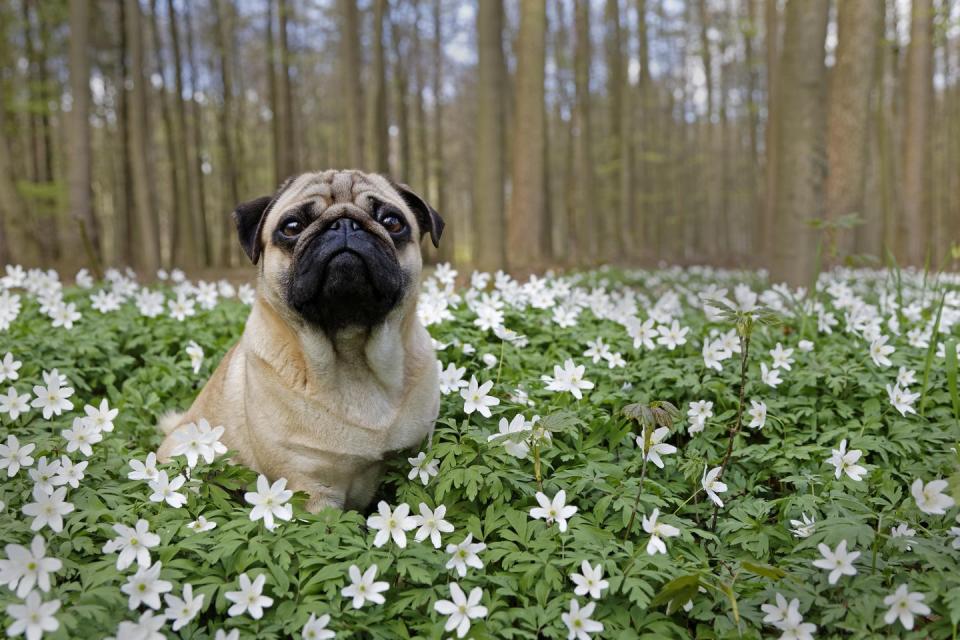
column 392, row 223
column 292, row 228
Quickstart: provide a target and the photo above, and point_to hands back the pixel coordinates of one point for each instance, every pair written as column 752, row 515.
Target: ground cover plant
column 674, row 453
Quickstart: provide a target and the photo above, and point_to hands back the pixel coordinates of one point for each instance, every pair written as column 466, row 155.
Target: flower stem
column 735, row 429
column 636, row 503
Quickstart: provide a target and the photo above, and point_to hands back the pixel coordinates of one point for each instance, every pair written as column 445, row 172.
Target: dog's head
column 339, row 248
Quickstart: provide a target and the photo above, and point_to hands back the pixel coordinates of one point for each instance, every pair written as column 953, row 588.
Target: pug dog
column 334, row 370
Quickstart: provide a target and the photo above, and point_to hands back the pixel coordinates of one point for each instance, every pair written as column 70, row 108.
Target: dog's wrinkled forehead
column 336, row 187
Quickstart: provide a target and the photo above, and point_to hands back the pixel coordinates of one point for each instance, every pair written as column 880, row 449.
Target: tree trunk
column 525, row 221
column 800, row 164
column 914, row 221
column 192, row 251
column 80, row 166
column 708, row 227
column 488, row 193
column 199, row 199
column 584, row 229
column 617, row 238
column 288, row 142
column 378, row 137
column 177, row 220
column 438, row 168
column 146, row 230
column 351, row 87
column 847, row 125
column 771, row 132
column 227, row 126
column 401, row 82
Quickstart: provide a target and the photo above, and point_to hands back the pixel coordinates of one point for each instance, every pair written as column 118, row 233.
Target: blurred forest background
column 771, row 133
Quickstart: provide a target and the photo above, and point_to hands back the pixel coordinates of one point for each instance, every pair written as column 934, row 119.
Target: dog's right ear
column 249, row 218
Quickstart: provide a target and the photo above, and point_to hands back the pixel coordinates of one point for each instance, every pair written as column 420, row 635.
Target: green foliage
column 712, row 581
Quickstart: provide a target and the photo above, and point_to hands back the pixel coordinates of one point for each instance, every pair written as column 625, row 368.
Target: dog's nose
column 348, row 225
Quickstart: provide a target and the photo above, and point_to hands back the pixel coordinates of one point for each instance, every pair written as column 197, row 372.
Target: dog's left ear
column 427, row 217
column 249, row 218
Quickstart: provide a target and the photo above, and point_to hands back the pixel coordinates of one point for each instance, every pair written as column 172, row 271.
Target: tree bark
column 525, row 222
column 351, row 87
column 80, row 168
column 800, row 163
column 401, row 83
column 227, row 126
column 193, row 249
column 488, row 194
column 914, row 222
column 771, row 132
column 584, row 230
column 288, row 142
column 448, row 247
column 378, row 136
column 199, row 199
column 146, row 229
column 847, row 122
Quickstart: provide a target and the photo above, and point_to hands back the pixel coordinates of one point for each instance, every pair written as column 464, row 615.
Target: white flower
column 64, row 315
column 165, row 490
column 146, row 470
column 657, row 447
column 489, row 360
column 780, row 611
column 906, row 377
column 805, row 345
column 9, row 367
column 846, row 462
column 181, row 307
column 794, row 628
column 47, row 474
column 903, row 531
column 270, row 501
column 33, row 618
column 555, row 510
column 770, row 377
column 699, row 412
column 596, row 350
column 615, row 360
column 201, row 524
column 13, row 456
column 781, row 357
column 901, row 399
column 451, row 378
column 71, row 473
column 48, row 510
column 393, row 523
column 431, row 524
column 903, row 606
column 23, row 568
column 838, row 562
column 516, row 448
column 589, row 580
column 713, row 354
column 643, row 334
column 183, row 610
column 13, row 404
column 146, row 587
column 803, row 528
column 134, row 543
column 475, row 398
column 879, row 350
column 579, row 624
column 930, row 497
column 673, row 336
column 464, row 555
column 52, row 399
column 712, row 485
column 568, row 378
column 657, row 531
column 758, row 414
column 316, row 628
column 146, row 628
column 198, row 440
column 423, row 468
column 81, row 437
column 250, row 598
column 195, row 352
column 363, row 588
column 461, row 609
column 101, row 417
